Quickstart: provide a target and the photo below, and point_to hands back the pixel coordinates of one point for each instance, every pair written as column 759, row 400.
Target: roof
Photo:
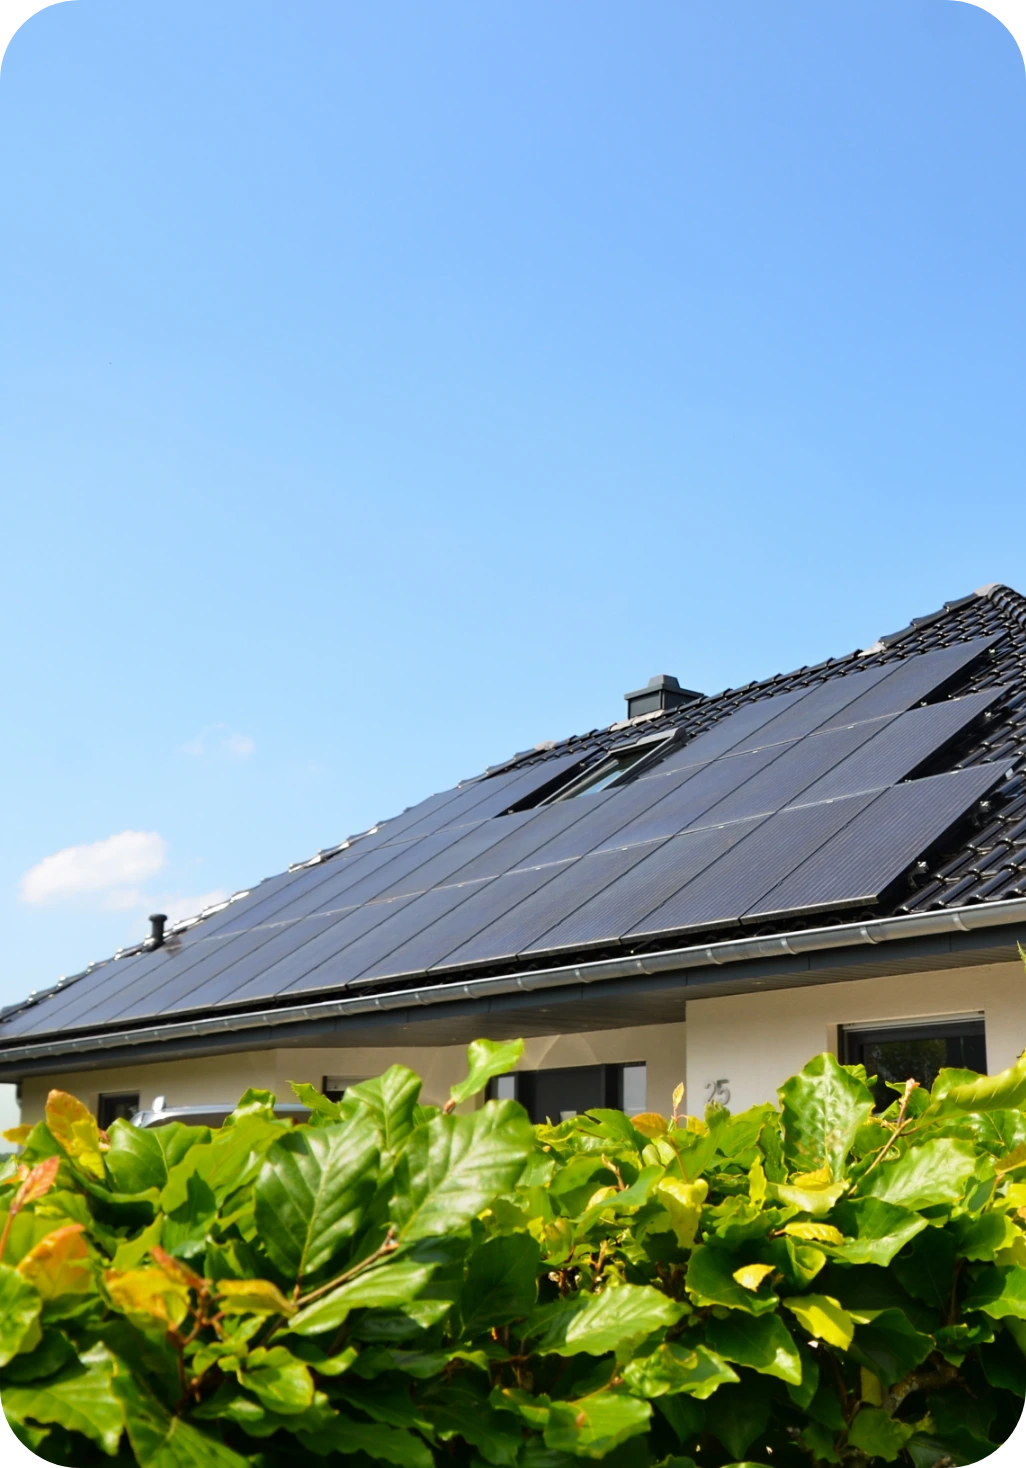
column 882, row 783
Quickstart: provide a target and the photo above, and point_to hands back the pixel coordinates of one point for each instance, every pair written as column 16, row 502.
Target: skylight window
column 612, row 770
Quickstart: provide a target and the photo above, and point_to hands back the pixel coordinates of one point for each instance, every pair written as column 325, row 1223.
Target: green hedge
column 399, row 1284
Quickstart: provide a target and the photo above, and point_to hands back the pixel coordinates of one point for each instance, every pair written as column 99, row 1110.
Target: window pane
column 635, row 1090
column 121, row 1106
column 505, row 1088
column 899, row 1053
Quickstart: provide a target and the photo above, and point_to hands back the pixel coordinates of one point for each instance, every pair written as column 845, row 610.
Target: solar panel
column 571, row 885
column 916, row 678
column 405, row 919
column 485, row 798
column 662, row 869
column 525, row 834
column 731, row 885
column 903, row 743
column 730, row 731
column 794, row 767
column 862, row 860
column 824, row 703
column 489, row 901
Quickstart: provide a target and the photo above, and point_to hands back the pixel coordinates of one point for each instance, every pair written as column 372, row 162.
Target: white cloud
column 218, row 739
column 113, row 865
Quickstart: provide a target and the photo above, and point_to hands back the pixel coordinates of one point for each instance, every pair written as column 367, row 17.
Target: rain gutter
column 951, row 921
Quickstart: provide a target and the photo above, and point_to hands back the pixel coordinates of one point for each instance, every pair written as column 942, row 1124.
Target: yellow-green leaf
column 148, row 1292
column 751, row 1276
column 73, row 1126
column 820, row 1233
column 683, row 1202
column 823, row 1317
column 253, row 1297
column 59, row 1264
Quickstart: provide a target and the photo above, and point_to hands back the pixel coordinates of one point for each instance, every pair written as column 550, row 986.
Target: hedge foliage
column 399, row 1284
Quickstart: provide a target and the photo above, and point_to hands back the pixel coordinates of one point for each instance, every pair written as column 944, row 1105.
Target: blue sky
column 384, row 389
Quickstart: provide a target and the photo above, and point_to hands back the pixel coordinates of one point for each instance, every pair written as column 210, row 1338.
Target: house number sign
column 719, row 1092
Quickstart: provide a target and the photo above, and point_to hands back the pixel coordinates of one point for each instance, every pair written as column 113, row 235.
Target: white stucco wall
column 223, row 1078
column 754, row 1041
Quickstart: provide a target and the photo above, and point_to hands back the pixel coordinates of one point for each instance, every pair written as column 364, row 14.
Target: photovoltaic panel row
column 902, row 745
column 728, row 887
column 481, row 799
column 864, row 859
column 888, row 688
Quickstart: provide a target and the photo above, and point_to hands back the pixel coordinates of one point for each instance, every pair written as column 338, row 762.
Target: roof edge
column 795, row 945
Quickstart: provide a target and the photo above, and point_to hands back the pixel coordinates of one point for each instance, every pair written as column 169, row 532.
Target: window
column 616, row 765
column 116, row 1106
column 559, row 1094
column 898, row 1052
column 335, row 1087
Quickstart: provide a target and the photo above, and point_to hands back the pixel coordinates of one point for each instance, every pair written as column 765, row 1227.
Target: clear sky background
column 386, row 388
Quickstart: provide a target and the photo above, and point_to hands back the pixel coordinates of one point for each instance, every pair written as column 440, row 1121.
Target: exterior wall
column 754, row 1041
column 223, row 1078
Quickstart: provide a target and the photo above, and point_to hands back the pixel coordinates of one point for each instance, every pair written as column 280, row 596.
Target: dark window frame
column 525, row 1084
column 111, row 1105
column 854, row 1040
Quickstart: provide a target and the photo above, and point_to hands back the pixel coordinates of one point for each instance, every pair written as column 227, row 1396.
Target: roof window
column 614, row 769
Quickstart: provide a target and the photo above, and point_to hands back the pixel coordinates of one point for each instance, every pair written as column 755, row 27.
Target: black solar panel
column 861, row 861
column 735, row 882
column 903, row 743
column 571, row 886
column 662, row 869
column 914, row 679
column 731, row 731
column 487, row 903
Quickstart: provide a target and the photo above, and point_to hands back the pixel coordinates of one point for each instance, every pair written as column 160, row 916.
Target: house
column 712, row 889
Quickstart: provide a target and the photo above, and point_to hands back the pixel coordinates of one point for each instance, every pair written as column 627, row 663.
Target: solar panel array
column 807, row 802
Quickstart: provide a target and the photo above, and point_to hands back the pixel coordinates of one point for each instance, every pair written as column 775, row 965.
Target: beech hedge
column 401, row 1284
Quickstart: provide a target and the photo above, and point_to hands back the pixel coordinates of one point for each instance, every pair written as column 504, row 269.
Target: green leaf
column 455, row 1166
column 160, row 1440
column 502, row 1282
column 981, row 1238
column 762, row 1342
column 317, row 1102
column 52, row 1352
column 391, row 1101
column 600, row 1323
column 890, row 1346
column 673, row 1368
column 485, row 1059
column 277, row 1379
column 593, row 1426
column 20, row 1304
column 821, row 1110
column 878, row 1434
column 999, row 1292
column 738, row 1414
column 823, row 1317
column 381, row 1443
column 78, row 1398
column 312, row 1192
column 710, row 1278
column 937, row 1171
column 1005, row 1091
column 135, row 1160
column 185, row 1229
column 391, row 1284
column 814, row 1198
column 875, row 1231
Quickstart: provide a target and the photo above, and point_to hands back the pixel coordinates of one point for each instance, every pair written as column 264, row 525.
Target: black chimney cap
column 660, row 693
column 156, row 938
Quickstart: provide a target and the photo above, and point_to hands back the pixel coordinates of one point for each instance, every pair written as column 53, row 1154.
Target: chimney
column 156, row 938
column 660, row 694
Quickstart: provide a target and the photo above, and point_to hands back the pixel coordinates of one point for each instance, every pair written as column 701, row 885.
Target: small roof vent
column 156, row 938
column 661, row 693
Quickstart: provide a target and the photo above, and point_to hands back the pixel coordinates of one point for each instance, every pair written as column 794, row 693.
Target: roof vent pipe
column 156, row 938
column 661, row 693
